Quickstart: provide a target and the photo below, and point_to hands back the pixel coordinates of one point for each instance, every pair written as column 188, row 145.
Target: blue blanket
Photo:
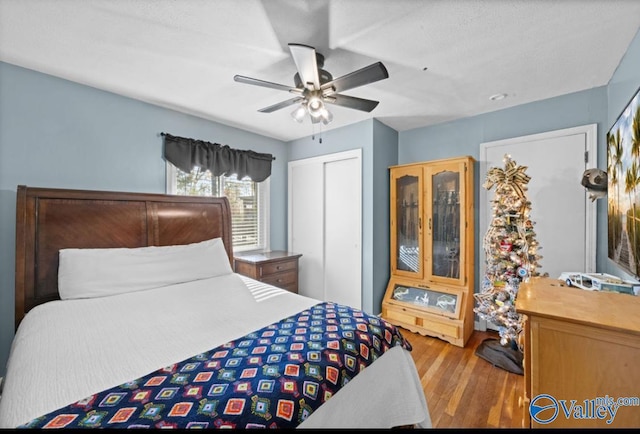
column 272, row 378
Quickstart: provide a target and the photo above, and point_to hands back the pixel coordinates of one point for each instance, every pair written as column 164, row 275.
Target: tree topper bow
column 512, row 177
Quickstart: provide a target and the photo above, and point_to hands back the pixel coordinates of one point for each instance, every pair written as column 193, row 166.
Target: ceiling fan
column 315, row 87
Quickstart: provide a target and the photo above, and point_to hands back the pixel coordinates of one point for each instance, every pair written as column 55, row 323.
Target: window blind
column 249, row 207
column 244, row 199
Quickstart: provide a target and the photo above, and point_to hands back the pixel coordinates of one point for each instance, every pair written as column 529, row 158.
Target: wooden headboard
column 48, row 220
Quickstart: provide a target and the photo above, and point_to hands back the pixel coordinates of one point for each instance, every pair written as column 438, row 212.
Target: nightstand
column 277, row 268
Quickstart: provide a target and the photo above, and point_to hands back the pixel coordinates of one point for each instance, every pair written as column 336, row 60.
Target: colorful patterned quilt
column 271, row 378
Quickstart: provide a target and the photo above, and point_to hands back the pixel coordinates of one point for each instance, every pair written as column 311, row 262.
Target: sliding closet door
column 342, row 232
column 325, row 225
column 305, row 226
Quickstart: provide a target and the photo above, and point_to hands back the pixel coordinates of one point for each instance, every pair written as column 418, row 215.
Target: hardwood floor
column 463, row 390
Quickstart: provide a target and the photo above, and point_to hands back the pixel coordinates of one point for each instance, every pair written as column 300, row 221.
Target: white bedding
column 67, row 350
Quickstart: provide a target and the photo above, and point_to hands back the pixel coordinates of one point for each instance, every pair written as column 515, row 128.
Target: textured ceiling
column 183, row 54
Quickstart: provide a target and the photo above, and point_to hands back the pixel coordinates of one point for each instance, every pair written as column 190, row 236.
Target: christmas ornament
column 505, row 246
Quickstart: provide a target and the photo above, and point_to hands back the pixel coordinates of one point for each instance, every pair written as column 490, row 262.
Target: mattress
column 67, row 350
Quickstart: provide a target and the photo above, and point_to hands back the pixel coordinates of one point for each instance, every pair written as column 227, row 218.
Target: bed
column 84, row 334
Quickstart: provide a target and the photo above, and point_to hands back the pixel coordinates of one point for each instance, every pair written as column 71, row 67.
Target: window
column 249, row 202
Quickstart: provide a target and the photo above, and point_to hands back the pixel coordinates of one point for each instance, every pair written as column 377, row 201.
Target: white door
column 325, row 203
column 342, row 233
column 305, row 226
column 564, row 218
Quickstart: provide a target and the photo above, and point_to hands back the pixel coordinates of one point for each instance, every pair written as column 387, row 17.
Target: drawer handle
column 278, row 267
column 279, row 280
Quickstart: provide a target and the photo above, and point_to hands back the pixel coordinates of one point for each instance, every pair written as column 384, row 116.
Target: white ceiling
column 183, row 54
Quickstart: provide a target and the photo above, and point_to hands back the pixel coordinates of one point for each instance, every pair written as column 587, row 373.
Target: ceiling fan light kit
column 299, row 113
column 315, row 87
column 315, row 105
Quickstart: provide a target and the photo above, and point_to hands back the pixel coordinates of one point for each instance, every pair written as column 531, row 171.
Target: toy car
column 600, row 282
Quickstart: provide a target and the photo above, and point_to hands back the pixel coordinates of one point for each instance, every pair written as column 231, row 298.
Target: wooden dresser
column 277, row 268
column 579, row 346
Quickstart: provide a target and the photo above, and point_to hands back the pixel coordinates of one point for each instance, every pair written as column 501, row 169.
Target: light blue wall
column 464, row 136
column 355, row 136
column 385, row 152
column 623, row 85
column 55, row 133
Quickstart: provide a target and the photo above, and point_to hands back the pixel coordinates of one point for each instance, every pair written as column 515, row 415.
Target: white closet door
column 342, row 252
column 325, row 226
column 305, row 226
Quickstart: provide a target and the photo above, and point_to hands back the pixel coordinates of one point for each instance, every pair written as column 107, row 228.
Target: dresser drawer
column 281, row 279
column 277, row 267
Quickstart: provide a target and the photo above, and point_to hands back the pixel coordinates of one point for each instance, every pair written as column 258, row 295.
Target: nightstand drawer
column 281, row 279
column 278, row 267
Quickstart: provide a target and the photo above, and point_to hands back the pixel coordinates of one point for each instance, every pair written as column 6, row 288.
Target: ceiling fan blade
column 281, row 105
column 365, row 105
column 269, row 84
column 305, row 58
column 366, row 75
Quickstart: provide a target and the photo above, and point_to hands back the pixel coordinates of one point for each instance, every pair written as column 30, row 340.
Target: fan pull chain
column 313, row 133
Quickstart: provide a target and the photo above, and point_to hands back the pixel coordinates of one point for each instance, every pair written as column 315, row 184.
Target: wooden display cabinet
column 432, row 241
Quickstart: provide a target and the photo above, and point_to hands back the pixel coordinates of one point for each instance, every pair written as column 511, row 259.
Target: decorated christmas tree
column 510, row 248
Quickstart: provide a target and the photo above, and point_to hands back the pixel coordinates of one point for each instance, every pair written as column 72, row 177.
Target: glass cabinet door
column 406, row 221
column 436, row 300
column 446, row 230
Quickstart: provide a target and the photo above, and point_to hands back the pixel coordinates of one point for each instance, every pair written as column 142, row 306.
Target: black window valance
column 186, row 154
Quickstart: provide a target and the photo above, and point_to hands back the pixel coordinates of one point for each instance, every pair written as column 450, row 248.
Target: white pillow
column 88, row 273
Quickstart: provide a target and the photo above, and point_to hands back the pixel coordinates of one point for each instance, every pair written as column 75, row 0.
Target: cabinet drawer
column 281, row 279
column 394, row 315
column 277, row 267
column 452, row 330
